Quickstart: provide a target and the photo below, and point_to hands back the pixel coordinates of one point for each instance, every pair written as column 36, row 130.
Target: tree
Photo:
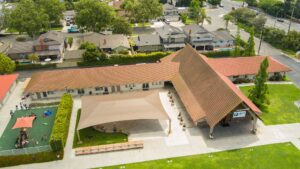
column 259, row 22
column 227, row 18
column 142, row 10
column 92, row 15
column 92, row 53
column 70, row 41
column 194, row 9
column 258, row 94
column 33, row 58
column 203, row 17
column 250, row 47
column 3, row 17
column 237, row 51
column 7, row 65
column 251, row 2
column 121, row 26
column 27, row 17
column 183, row 17
column 53, row 8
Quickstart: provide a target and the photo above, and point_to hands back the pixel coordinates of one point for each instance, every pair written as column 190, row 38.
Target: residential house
column 50, row 45
column 222, row 39
column 170, row 12
column 20, row 50
column 198, row 37
column 172, row 38
column 108, row 43
column 148, row 43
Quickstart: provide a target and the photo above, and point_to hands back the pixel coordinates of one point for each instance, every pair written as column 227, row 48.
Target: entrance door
column 38, row 95
column 44, row 94
column 146, row 86
column 113, row 89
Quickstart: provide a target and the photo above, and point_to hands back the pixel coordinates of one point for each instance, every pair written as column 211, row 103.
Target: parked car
column 73, row 29
column 221, row 5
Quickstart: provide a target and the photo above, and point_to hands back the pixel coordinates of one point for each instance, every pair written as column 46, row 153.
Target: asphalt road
column 266, row 49
column 271, row 21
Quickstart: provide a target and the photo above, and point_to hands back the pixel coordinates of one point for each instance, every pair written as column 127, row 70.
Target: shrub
column 43, row 104
column 21, row 39
column 21, row 67
column 242, row 80
column 70, row 41
column 61, row 123
column 121, row 59
column 219, row 54
column 6, row 161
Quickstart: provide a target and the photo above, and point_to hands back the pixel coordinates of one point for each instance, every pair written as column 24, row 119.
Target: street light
column 291, row 18
column 261, row 38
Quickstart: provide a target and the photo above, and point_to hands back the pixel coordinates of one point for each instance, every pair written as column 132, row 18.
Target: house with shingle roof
column 205, row 89
column 172, row 38
column 148, row 43
column 170, row 12
column 108, row 42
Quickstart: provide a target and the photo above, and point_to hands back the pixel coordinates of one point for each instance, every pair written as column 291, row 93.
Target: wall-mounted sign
column 238, row 114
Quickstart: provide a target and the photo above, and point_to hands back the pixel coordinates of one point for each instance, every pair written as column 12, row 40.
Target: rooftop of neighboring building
column 222, row 35
column 168, row 30
column 147, row 40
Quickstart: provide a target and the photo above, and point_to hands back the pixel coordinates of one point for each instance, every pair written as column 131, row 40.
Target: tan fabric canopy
column 121, row 107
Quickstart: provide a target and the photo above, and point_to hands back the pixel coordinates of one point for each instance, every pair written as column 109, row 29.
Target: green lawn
column 275, row 156
column 91, row 137
column 42, row 126
column 281, row 109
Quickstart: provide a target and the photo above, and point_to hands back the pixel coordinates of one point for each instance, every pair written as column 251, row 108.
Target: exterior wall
column 94, row 91
column 223, row 44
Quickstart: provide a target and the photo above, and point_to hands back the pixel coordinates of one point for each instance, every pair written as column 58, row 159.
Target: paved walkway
column 252, row 84
column 190, row 142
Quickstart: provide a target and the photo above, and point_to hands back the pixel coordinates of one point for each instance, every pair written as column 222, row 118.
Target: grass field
column 275, row 156
column 281, row 109
column 91, row 137
column 41, row 127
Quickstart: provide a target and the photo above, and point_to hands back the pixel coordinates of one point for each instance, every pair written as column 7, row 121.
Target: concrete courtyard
column 193, row 140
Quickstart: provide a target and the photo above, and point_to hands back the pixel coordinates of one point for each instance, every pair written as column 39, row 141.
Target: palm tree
column 227, row 18
column 203, row 17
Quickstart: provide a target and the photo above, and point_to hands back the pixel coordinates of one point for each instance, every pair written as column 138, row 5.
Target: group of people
column 22, row 140
column 22, row 106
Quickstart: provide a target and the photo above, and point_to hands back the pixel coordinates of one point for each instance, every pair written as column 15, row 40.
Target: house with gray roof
column 50, row 45
column 172, row 38
column 148, row 43
column 108, row 43
column 20, row 50
column 222, row 39
column 170, row 12
column 199, row 37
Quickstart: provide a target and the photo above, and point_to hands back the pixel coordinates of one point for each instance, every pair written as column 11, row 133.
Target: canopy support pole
column 169, row 130
column 78, row 136
column 211, row 130
column 254, row 121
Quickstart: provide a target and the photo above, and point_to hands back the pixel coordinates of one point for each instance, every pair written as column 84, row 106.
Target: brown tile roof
column 234, row 66
column 245, row 65
column 101, row 76
column 209, row 94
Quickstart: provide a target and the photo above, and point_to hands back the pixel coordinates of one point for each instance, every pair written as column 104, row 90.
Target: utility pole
column 291, row 18
column 261, row 38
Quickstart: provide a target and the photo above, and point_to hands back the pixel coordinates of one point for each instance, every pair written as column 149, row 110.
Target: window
column 70, row 90
column 235, row 77
column 98, row 88
column 126, row 86
column 50, row 92
column 80, row 91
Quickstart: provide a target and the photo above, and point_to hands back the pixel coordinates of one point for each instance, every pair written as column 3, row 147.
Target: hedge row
column 220, row 54
column 60, row 128
column 6, row 161
column 122, row 59
column 20, row 67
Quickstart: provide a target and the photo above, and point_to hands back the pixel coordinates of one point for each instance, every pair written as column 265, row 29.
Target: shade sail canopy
column 23, row 122
column 121, row 107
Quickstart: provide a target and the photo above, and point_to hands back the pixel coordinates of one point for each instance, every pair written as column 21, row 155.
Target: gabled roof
column 210, row 95
column 107, row 41
column 170, row 31
column 21, row 47
column 147, row 40
column 169, row 7
column 6, row 81
column 101, row 76
column 194, row 29
column 222, row 35
column 50, row 38
column 245, row 65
